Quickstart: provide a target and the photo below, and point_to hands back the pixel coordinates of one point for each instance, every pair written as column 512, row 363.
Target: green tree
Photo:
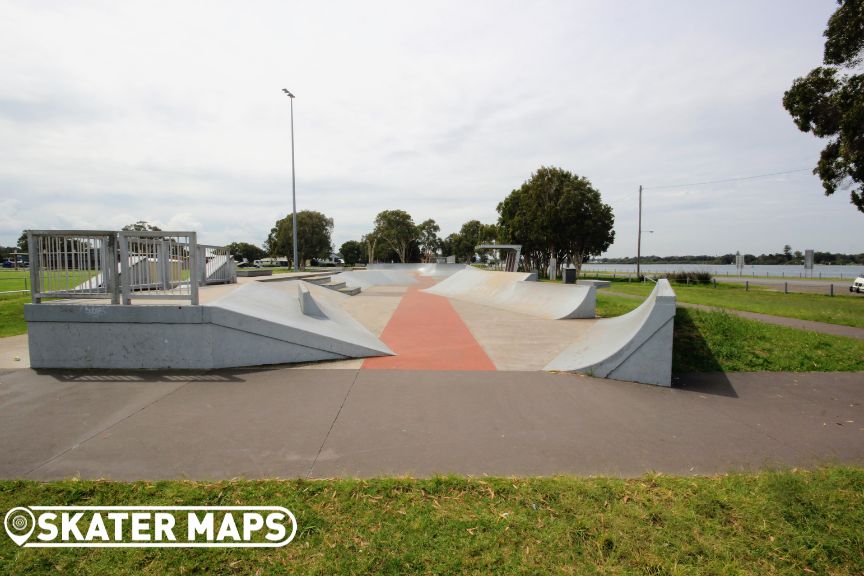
column 142, row 226
column 829, row 102
column 449, row 244
column 397, row 229
column 370, row 244
column 244, row 250
column 23, row 245
column 428, row 241
column 471, row 234
column 313, row 236
column 352, row 252
column 556, row 213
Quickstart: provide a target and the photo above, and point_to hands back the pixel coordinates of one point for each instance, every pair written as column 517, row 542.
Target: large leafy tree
column 829, row 102
column 556, row 213
column 427, row 239
column 352, row 252
column 246, row 251
column 471, row 234
column 397, row 230
column 313, row 236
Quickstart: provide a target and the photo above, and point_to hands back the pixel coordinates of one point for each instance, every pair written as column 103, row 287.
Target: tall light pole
column 294, row 184
column 639, row 237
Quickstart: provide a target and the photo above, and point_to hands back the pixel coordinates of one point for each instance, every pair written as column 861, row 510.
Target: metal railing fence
column 217, row 265
column 158, row 265
column 73, row 264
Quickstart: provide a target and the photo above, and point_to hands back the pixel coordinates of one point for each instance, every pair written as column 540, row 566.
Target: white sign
column 150, row 526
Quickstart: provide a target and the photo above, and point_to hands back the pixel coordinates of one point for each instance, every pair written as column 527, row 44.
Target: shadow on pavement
column 715, row 383
column 142, row 376
column 694, row 366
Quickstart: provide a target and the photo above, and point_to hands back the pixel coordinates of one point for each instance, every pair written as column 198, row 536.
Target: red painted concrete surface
column 426, row 333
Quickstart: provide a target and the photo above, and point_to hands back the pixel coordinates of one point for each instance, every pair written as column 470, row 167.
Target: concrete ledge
column 107, row 314
column 246, row 272
column 636, row 346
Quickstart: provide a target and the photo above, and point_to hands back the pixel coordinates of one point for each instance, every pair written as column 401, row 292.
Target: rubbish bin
column 569, row 275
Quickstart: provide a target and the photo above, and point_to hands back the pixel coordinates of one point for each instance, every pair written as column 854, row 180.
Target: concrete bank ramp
column 254, row 325
column 300, row 314
column 636, row 346
column 519, row 292
column 369, row 278
column 421, row 269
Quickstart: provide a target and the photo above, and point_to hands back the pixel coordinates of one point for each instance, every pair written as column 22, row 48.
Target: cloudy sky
column 171, row 112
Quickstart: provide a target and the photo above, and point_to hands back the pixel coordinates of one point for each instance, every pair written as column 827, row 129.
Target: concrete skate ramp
column 369, row 278
column 256, row 324
column 421, row 269
column 301, row 313
column 636, row 346
column 518, row 292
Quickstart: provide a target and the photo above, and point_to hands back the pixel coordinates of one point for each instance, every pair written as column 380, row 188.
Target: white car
column 858, row 285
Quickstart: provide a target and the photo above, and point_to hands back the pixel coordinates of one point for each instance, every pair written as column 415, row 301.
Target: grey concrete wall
column 254, row 325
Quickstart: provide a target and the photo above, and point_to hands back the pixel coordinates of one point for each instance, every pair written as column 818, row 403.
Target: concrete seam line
column 109, row 427
column 332, row 424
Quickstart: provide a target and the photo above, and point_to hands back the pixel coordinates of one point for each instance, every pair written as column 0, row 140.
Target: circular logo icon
column 19, row 523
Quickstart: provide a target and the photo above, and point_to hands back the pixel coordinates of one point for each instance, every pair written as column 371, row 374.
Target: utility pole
column 293, row 185
column 639, row 237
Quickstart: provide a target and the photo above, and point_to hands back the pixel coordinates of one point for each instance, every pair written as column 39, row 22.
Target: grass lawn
column 848, row 311
column 11, row 279
column 609, row 305
column 12, row 314
column 720, row 342
column 775, row 522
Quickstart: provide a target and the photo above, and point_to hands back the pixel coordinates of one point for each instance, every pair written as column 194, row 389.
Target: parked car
column 858, row 285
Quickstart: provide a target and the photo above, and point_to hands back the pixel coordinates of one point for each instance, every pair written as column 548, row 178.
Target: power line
column 727, row 180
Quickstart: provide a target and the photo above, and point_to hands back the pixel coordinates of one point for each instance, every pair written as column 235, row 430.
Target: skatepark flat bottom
column 290, row 423
column 426, row 333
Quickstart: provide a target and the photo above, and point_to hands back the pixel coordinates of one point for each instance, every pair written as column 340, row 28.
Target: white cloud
column 112, row 112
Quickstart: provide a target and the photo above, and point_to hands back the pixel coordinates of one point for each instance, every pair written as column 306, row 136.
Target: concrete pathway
column 821, row 327
column 327, row 423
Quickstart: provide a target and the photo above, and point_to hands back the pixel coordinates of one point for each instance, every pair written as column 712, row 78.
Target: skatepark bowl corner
column 386, row 317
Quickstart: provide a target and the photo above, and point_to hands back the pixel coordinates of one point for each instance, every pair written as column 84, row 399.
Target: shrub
column 698, row 277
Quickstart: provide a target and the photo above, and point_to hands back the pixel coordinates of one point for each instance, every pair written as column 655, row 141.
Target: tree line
column 554, row 214
column 788, row 258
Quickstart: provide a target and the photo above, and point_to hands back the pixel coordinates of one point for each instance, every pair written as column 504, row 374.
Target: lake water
column 779, row 271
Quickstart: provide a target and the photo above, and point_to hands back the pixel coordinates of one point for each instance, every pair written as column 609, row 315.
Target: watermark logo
column 150, row 526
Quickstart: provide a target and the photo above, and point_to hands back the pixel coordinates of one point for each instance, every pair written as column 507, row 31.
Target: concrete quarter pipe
column 636, row 346
column 517, row 292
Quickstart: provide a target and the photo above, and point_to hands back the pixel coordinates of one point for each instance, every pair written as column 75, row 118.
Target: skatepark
column 413, row 369
column 389, row 316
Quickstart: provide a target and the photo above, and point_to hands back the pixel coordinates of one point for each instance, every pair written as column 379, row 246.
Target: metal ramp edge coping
column 636, row 346
column 519, row 292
